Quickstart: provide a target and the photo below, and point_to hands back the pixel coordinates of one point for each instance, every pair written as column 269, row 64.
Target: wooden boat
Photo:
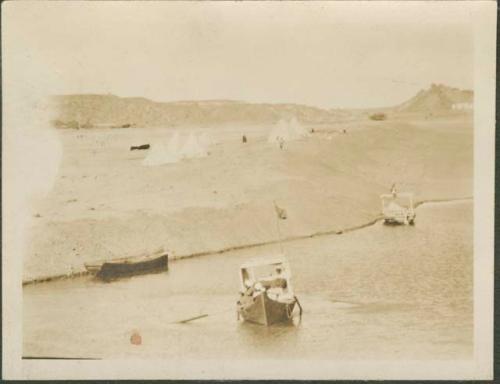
column 397, row 208
column 266, row 295
column 126, row 267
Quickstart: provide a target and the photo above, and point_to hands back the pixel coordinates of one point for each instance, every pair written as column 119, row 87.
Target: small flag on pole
column 280, row 212
column 393, row 190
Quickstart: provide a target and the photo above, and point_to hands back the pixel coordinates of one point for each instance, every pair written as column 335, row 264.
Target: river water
column 381, row 292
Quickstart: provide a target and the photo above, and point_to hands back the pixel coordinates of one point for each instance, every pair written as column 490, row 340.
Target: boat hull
column 115, row 270
column 261, row 309
column 403, row 216
column 405, row 220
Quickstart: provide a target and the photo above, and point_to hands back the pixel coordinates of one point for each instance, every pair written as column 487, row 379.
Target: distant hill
column 439, row 98
column 90, row 111
column 94, row 111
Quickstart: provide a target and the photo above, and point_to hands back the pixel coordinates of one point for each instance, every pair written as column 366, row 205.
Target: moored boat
column 126, row 267
column 266, row 295
column 398, row 208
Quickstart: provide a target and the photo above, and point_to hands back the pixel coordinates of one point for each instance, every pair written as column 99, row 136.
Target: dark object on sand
column 244, row 139
column 111, row 270
column 378, row 116
column 266, row 295
column 139, row 147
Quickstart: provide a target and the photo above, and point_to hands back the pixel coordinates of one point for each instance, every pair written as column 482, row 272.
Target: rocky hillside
column 93, row 111
column 438, row 99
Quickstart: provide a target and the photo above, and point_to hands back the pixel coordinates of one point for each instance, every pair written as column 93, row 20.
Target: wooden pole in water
column 278, row 227
column 192, row 318
column 202, row 316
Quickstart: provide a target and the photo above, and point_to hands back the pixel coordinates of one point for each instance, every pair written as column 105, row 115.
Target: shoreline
column 81, row 273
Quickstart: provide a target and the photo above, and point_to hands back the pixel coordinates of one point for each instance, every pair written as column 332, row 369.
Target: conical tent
column 204, row 140
column 159, row 154
column 173, row 144
column 162, row 153
column 297, row 129
column 278, row 132
column 287, row 131
column 192, row 147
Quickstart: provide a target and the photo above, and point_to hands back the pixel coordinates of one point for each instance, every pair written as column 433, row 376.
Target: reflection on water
column 380, row 292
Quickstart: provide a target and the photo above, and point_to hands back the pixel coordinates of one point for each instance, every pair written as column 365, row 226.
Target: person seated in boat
column 277, row 285
column 277, row 282
column 245, row 276
column 254, row 289
column 251, row 286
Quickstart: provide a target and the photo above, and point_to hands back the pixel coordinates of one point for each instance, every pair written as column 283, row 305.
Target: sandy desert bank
column 106, row 204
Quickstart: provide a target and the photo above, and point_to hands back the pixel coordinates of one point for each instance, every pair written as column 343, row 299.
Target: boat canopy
column 401, row 199
column 265, row 269
column 276, row 260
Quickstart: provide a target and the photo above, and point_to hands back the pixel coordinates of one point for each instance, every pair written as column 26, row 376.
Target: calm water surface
column 377, row 293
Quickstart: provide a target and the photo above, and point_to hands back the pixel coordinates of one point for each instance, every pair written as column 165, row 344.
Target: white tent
column 193, row 148
column 287, row 131
column 297, row 129
column 173, row 152
column 159, row 154
column 204, row 140
column 173, row 144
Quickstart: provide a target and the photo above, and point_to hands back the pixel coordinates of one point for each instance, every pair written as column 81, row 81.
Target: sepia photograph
column 248, row 190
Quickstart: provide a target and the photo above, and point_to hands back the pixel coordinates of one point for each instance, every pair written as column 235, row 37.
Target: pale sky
column 330, row 55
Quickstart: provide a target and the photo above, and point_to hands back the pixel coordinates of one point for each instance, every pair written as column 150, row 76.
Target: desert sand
column 105, row 203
